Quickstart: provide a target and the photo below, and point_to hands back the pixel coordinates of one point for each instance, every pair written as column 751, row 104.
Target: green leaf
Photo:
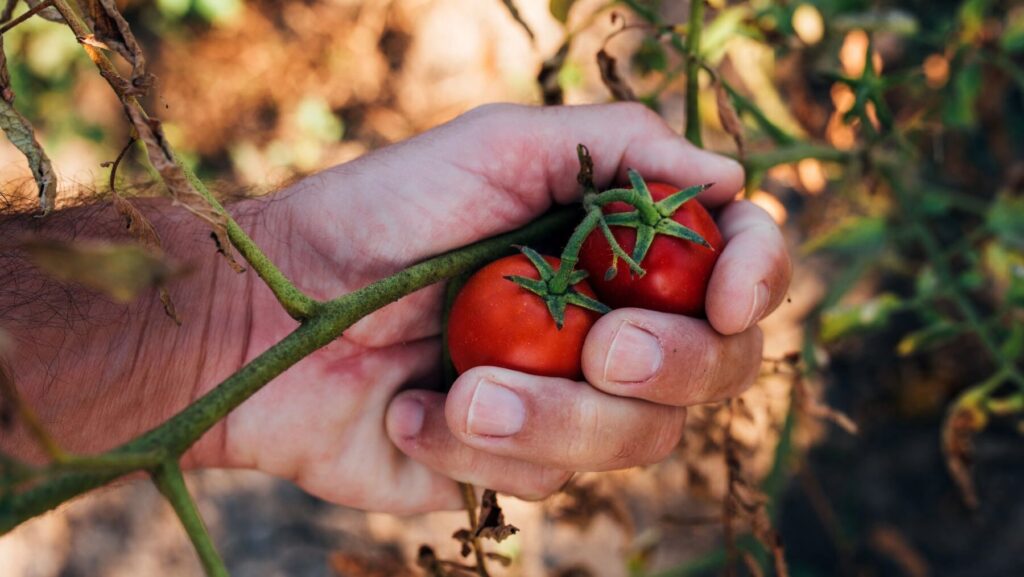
column 650, row 57
column 560, row 9
column 1006, row 220
column 120, row 270
column 845, row 320
column 966, row 86
column 928, row 338
column 853, row 236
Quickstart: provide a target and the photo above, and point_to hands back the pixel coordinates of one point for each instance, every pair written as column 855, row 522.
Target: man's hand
column 348, row 423
column 355, row 422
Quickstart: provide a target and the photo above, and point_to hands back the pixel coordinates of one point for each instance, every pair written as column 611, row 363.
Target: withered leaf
column 610, row 76
column 547, row 78
column 491, row 522
column 503, row 560
column 582, row 503
column 113, row 30
column 178, row 185
column 50, row 13
column 465, row 538
column 120, row 270
column 728, row 117
column 21, row 134
column 349, row 564
column 514, row 12
column 958, row 430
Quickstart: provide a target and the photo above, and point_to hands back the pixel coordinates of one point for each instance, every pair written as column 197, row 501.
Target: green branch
column 693, row 65
column 294, row 301
column 327, row 323
column 171, row 484
column 764, row 160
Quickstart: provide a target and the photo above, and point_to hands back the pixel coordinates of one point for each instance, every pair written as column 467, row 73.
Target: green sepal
column 672, row 228
column 556, row 306
column 537, row 287
column 577, row 276
column 630, row 219
column 542, row 266
column 670, row 204
column 644, row 238
column 639, row 185
column 583, row 301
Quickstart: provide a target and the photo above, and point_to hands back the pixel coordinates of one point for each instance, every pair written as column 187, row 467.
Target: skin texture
column 497, row 322
column 353, row 422
column 678, row 271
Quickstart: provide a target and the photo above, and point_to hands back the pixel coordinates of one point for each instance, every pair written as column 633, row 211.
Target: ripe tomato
column 677, row 270
column 495, row 322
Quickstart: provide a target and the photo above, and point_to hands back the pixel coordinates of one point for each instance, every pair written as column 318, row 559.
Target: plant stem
column 794, row 153
column 170, row 482
column 297, row 304
column 693, row 62
column 294, row 301
column 469, row 502
column 329, row 320
column 571, row 253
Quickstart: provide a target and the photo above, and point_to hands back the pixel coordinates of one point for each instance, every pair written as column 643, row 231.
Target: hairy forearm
column 98, row 372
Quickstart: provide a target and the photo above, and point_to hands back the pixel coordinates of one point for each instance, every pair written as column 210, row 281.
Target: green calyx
column 650, row 218
column 556, row 287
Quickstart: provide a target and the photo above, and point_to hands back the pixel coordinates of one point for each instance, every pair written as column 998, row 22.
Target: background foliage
column 887, row 138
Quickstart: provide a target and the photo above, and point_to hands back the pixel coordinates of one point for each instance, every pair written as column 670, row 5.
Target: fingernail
column 407, row 415
column 758, row 305
column 495, row 411
column 634, row 356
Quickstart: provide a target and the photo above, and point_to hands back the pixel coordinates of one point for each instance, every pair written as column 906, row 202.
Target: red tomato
column 495, row 322
column 677, row 270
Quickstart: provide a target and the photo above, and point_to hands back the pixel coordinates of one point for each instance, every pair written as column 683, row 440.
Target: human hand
column 494, row 169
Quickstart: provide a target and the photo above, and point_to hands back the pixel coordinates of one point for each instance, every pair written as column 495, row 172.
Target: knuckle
column 586, row 435
column 666, row 438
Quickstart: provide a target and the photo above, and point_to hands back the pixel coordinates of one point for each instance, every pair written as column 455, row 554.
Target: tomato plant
column 507, row 316
column 678, row 267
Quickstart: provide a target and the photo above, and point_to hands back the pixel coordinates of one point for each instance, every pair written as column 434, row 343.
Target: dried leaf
column 348, row 564
column 427, row 560
column 610, row 76
column 50, row 13
column 491, row 522
column 815, row 408
column 503, row 560
column 512, row 10
column 962, row 423
column 728, row 117
column 181, row 190
column 547, row 78
column 113, row 30
column 581, row 504
column 21, row 134
column 120, row 270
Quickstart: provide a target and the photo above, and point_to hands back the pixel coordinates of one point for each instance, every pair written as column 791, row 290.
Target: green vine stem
column 693, row 65
column 328, row 321
column 297, row 304
column 169, row 481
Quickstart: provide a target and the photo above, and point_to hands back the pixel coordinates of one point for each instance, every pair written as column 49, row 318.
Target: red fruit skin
column 495, row 322
column 678, row 270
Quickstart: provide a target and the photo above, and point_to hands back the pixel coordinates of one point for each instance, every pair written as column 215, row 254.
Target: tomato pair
column 507, row 323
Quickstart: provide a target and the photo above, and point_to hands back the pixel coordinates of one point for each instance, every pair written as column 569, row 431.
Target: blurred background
column 887, row 137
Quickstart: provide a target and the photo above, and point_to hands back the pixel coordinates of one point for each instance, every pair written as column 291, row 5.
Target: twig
column 469, row 502
column 171, row 484
column 693, row 31
column 31, row 12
